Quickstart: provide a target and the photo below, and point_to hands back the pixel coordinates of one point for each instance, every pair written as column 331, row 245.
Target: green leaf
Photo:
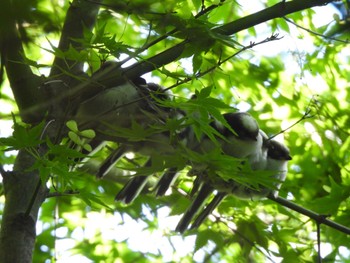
column 74, row 137
column 92, row 200
column 89, row 134
column 72, row 125
column 204, row 93
column 87, row 147
column 196, row 62
column 204, row 236
column 24, row 136
column 63, row 151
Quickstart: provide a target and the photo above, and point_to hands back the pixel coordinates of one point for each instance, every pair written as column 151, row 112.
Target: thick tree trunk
column 24, row 192
column 24, row 195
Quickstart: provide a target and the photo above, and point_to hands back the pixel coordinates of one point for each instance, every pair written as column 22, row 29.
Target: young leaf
column 89, row 134
column 74, row 137
column 72, row 125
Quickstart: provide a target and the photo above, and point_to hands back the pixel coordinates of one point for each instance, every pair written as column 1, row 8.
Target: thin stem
column 319, row 242
column 220, row 62
column 315, row 33
column 320, row 219
column 32, row 200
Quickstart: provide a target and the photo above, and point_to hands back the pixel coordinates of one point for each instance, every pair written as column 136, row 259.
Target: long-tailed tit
column 159, row 143
column 240, row 144
column 246, row 142
column 277, row 155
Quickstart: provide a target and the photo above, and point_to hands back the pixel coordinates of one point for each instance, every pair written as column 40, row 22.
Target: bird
column 277, row 157
column 160, row 145
column 243, row 139
column 111, row 160
column 241, row 135
column 113, row 112
column 133, row 187
column 162, row 142
column 195, row 206
column 165, row 181
column 108, row 107
column 238, row 145
column 101, row 111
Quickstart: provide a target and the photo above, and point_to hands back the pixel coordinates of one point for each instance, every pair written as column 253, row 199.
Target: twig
column 219, row 63
column 319, row 219
column 305, row 116
column 32, row 200
column 165, row 36
column 67, row 193
column 319, row 242
column 315, row 33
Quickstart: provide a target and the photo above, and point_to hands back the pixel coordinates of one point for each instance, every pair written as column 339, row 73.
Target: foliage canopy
column 269, row 58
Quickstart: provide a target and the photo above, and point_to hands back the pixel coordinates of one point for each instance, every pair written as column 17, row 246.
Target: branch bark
column 279, row 10
column 24, row 192
column 114, row 76
column 17, row 236
column 80, row 15
column 319, row 219
column 24, row 84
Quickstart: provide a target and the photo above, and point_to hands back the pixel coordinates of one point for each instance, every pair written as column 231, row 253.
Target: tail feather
column 132, row 189
column 208, row 210
column 204, row 191
column 165, row 181
column 112, row 159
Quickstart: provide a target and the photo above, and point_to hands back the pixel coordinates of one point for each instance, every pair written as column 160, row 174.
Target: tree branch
column 114, row 75
column 317, row 34
column 66, row 73
column 24, row 84
column 319, row 219
column 80, row 15
column 276, row 11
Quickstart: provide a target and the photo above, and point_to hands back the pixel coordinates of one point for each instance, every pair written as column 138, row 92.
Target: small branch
column 32, row 200
column 319, row 219
column 315, row 33
column 80, row 15
column 319, row 242
column 113, row 76
column 219, row 63
column 304, row 117
column 67, row 193
column 276, row 11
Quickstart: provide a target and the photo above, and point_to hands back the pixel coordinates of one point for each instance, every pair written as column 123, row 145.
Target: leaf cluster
column 266, row 85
